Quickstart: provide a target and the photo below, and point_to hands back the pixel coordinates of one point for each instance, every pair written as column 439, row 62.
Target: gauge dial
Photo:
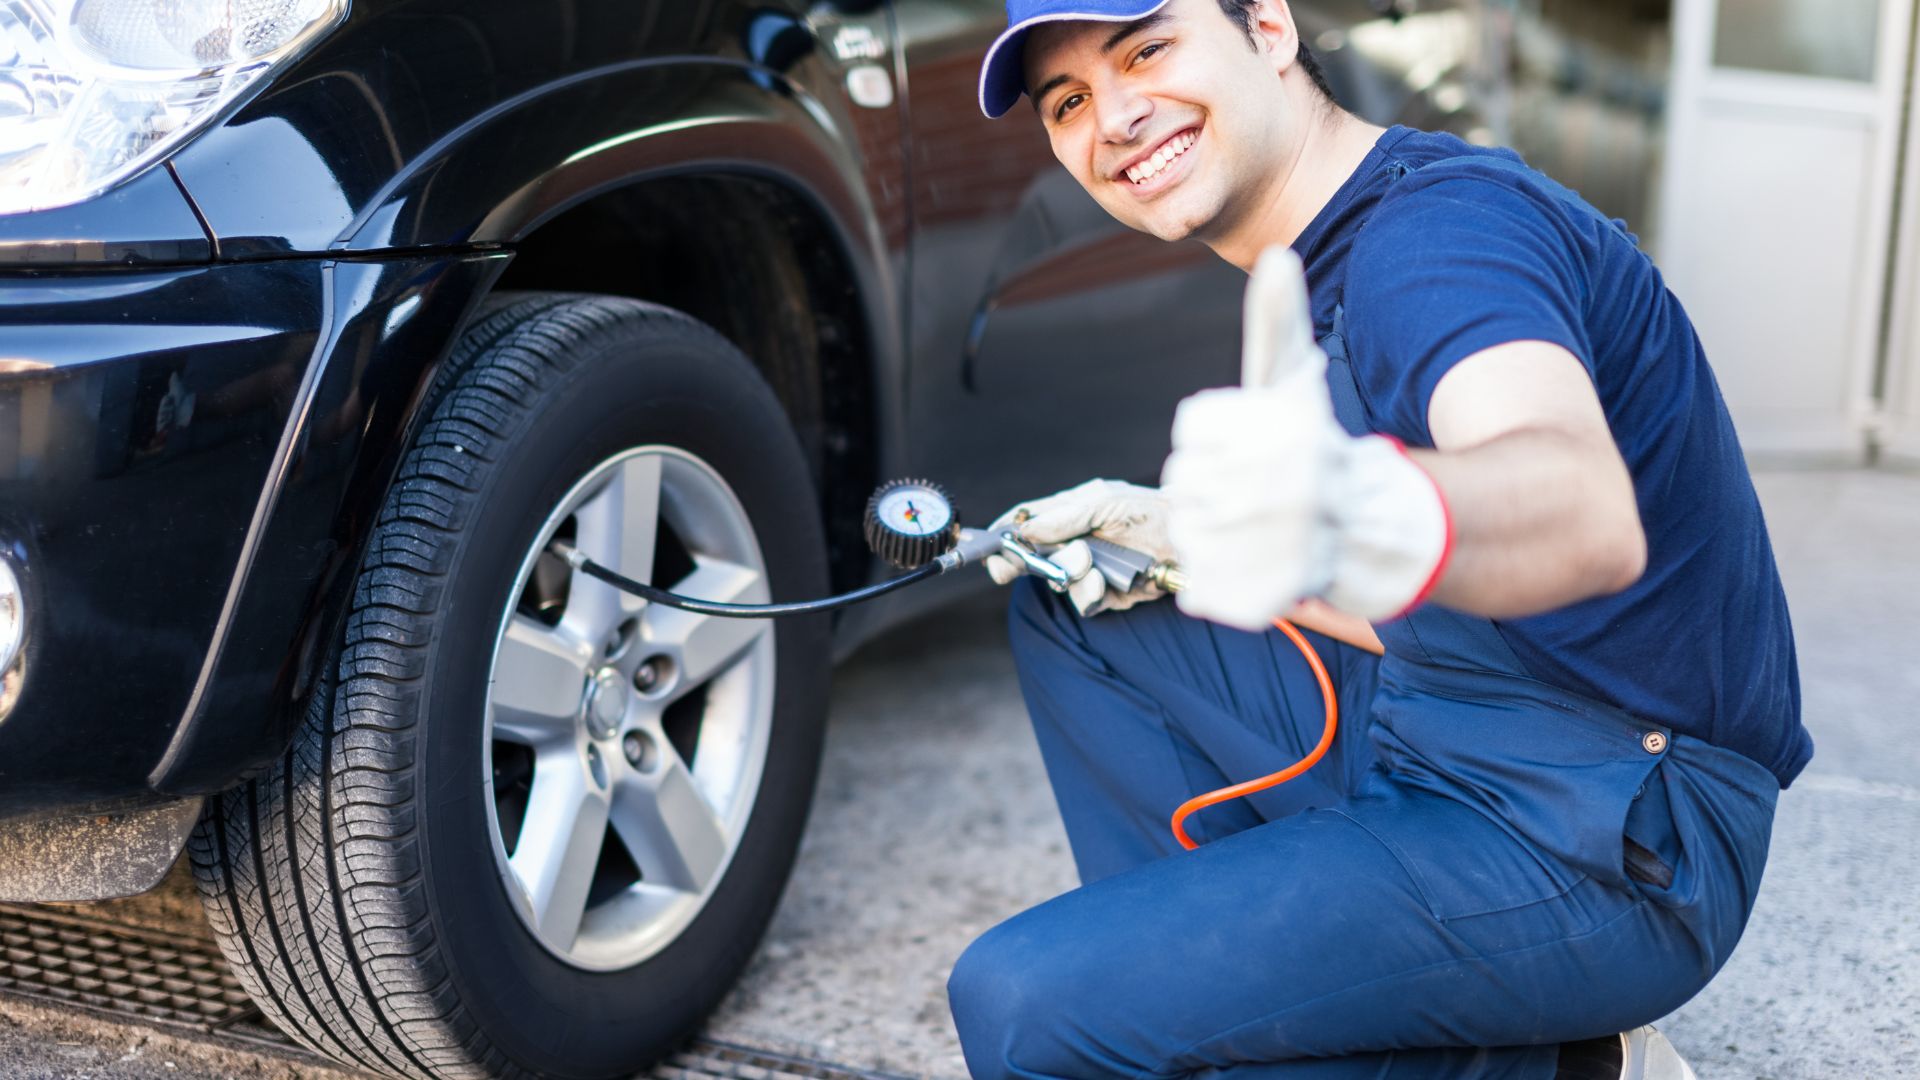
column 911, row 522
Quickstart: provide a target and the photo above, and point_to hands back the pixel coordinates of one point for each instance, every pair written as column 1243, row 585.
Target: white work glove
column 1272, row 502
column 1118, row 512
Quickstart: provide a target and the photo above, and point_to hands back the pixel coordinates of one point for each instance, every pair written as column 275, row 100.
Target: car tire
column 396, row 892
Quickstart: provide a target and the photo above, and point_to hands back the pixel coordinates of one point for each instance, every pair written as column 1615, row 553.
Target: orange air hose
column 1215, row 798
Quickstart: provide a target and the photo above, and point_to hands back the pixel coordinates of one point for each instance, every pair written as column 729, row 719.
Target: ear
column 1276, row 34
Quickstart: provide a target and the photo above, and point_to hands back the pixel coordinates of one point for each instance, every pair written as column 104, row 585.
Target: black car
column 316, row 328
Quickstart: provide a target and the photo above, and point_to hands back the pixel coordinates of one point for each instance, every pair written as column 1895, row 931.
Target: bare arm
column 1316, row 615
column 1543, row 507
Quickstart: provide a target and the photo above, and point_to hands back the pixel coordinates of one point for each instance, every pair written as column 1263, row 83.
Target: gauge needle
column 913, row 513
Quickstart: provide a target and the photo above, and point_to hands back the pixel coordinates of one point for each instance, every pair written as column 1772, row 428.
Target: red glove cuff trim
column 1446, row 546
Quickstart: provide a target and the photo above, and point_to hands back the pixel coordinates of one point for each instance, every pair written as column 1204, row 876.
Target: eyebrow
column 1146, row 22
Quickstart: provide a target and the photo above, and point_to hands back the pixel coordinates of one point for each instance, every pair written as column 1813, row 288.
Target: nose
column 1121, row 113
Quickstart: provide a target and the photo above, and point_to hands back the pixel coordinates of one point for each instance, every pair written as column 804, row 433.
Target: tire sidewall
column 648, row 379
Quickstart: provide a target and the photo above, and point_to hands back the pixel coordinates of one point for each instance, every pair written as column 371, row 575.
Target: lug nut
column 639, row 750
column 653, row 674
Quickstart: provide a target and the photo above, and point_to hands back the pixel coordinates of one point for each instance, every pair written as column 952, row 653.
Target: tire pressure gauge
column 910, row 523
column 913, row 525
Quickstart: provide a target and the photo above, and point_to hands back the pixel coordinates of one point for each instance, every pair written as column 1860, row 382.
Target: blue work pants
column 1446, row 894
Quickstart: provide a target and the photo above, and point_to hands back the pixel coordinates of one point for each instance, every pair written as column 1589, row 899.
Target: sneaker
column 1653, row 1055
column 1640, row 1054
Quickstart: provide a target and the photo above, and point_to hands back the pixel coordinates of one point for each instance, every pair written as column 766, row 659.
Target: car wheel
column 533, row 826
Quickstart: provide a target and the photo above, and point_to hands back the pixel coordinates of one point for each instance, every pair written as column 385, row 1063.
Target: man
column 1546, row 816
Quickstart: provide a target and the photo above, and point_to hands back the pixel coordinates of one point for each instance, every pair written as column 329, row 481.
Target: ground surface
column 934, row 822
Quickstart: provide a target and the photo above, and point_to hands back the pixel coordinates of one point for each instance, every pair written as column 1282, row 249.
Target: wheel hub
column 606, row 703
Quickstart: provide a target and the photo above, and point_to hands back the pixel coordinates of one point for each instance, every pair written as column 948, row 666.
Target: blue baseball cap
column 1003, row 75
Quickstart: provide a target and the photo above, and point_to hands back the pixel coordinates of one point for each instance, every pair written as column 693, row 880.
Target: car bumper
column 182, row 452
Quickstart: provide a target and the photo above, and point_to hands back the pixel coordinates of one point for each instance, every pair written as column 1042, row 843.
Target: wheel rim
column 625, row 742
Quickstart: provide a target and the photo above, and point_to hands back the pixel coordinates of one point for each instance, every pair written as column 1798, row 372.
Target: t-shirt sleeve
column 1457, row 260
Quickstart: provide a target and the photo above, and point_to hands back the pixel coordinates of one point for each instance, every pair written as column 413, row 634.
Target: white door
column 1900, row 382
column 1900, row 438
column 1777, row 207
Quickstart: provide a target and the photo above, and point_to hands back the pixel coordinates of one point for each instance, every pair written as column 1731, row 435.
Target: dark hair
column 1241, row 12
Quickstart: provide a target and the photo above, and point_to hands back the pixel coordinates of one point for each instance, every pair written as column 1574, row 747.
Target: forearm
column 1541, row 519
column 1336, row 624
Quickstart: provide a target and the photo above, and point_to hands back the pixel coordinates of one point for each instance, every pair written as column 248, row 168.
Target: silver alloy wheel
column 588, row 696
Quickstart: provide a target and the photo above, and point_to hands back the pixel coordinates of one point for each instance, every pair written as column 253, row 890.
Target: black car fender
column 429, row 241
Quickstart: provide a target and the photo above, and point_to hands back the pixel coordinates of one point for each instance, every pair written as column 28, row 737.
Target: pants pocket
column 1463, row 862
column 1561, row 776
column 1701, row 828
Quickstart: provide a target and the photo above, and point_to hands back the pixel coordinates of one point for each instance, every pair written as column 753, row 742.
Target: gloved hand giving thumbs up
column 1270, row 501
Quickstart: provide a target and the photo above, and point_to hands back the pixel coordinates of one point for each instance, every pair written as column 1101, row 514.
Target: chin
column 1173, row 224
column 1162, row 222
column 1171, row 231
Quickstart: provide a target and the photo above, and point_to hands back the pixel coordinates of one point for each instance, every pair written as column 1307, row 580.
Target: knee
column 977, row 992
column 1008, row 1007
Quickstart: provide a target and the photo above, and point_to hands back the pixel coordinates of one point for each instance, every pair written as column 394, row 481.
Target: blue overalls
column 1482, row 867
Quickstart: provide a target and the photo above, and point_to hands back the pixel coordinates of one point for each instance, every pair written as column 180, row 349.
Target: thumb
column 1277, row 321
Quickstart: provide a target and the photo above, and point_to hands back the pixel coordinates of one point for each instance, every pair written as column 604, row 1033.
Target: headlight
column 13, row 622
column 93, row 91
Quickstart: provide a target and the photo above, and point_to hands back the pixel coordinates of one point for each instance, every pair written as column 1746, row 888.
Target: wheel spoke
column 618, row 529
column 559, row 845
column 538, row 681
column 668, row 827
column 708, row 644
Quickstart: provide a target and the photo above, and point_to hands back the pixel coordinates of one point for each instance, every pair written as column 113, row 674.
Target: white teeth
column 1160, row 158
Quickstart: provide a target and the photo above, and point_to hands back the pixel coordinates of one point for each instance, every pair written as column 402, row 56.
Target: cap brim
column 1002, row 75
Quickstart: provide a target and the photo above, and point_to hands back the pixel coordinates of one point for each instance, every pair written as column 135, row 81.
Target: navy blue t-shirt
column 1439, row 249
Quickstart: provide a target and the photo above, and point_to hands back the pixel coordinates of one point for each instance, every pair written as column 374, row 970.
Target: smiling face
column 1176, row 124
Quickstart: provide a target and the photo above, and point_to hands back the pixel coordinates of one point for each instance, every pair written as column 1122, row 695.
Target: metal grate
column 183, row 982
column 79, row 961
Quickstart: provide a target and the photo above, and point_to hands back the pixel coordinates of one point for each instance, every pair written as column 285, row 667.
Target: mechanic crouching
column 1493, row 434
